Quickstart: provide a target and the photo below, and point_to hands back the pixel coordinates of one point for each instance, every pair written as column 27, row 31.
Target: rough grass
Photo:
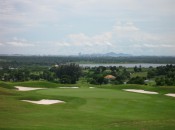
column 6, row 85
column 140, row 74
column 105, row 108
column 41, row 84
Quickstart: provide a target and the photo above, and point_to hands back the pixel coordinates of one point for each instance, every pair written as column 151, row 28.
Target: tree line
column 164, row 75
column 63, row 73
column 69, row 73
column 20, row 61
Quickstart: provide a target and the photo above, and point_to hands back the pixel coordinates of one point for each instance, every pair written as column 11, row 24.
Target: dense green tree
column 151, row 73
column 136, row 80
column 34, row 77
column 73, row 71
column 160, row 81
column 65, row 79
column 138, row 69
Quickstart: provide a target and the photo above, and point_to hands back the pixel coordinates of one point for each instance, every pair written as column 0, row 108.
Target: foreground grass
column 105, row 108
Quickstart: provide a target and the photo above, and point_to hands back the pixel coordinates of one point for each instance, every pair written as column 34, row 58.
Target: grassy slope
column 43, row 84
column 87, row 109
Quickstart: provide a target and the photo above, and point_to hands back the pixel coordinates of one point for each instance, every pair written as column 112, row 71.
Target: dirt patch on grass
column 170, row 94
column 44, row 101
column 140, row 91
column 68, row 87
column 21, row 88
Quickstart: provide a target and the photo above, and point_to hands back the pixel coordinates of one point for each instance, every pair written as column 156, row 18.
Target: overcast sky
column 66, row 27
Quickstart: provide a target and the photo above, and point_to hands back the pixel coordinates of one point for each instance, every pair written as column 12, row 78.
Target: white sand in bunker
column 91, row 87
column 140, row 91
column 170, row 94
column 44, row 101
column 21, row 88
column 68, row 87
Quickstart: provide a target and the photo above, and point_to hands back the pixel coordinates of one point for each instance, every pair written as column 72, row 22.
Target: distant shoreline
column 127, row 65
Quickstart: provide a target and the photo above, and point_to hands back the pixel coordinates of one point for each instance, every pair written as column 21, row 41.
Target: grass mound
column 6, row 85
column 41, row 84
column 4, row 91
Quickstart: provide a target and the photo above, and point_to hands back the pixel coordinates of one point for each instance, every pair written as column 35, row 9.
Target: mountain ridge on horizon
column 109, row 54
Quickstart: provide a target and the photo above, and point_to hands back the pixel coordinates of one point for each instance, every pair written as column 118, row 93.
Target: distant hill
column 110, row 54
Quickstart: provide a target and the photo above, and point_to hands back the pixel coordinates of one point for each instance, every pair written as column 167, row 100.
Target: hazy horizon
column 59, row 27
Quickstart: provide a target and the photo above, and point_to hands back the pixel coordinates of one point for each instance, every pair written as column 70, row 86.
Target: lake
column 145, row 65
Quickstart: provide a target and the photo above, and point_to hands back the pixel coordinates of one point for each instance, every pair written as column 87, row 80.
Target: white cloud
column 83, row 40
column 61, row 44
column 18, row 42
column 128, row 32
column 33, row 13
column 123, row 37
column 21, row 16
column 128, row 27
column 24, row 15
column 45, row 18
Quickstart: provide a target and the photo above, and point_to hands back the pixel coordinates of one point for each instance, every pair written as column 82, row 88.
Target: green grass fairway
column 86, row 109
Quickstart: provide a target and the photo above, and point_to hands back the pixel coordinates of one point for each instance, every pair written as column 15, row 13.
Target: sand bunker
column 91, row 87
column 170, row 94
column 140, row 91
column 68, row 87
column 44, row 101
column 21, row 88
